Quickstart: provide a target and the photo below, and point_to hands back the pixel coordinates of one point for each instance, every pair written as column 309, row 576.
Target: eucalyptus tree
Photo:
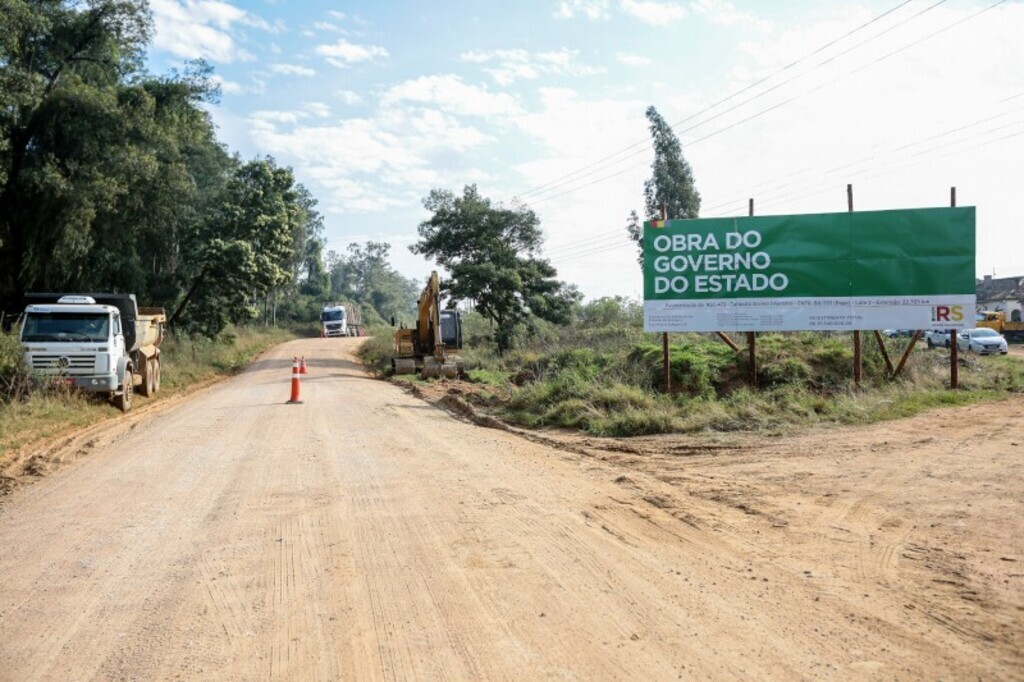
column 671, row 188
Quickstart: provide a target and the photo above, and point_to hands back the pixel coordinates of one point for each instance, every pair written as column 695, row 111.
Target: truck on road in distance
column 340, row 319
column 994, row 319
column 100, row 343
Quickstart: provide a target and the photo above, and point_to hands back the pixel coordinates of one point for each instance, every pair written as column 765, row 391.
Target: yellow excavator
column 427, row 347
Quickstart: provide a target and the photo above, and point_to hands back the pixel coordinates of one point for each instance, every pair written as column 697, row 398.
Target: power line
column 782, row 103
column 591, row 250
column 784, row 185
column 646, row 141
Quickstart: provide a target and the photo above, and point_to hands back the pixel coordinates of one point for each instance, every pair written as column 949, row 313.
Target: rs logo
column 947, row 313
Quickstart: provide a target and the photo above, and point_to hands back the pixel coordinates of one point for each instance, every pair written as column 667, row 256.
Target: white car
column 981, row 340
column 938, row 338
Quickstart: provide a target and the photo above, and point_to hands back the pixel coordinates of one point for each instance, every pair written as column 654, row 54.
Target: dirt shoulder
column 922, row 515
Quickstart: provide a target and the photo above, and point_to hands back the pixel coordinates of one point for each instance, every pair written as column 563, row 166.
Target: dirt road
column 367, row 535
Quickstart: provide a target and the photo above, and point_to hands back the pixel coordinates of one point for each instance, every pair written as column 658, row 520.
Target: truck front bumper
column 99, row 383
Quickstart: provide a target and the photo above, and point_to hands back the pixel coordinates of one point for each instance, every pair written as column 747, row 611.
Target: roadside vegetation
column 601, row 374
column 30, row 411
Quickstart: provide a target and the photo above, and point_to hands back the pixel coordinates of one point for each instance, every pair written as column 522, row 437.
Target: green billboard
column 910, row 269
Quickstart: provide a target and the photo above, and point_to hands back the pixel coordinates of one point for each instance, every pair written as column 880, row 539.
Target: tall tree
column 491, row 253
column 171, row 175
column 244, row 251
column 365, row 275
column 671, row 186
column 61, row 68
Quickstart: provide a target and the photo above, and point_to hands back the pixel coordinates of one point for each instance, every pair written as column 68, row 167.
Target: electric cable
column 710, row 107
column 782, row 103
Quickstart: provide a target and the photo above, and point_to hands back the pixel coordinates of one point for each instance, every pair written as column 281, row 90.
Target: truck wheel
column 123, row 400
column 146, row 387
column 156, row 375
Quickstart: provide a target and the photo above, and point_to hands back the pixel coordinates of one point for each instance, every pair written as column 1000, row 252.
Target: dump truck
column 100, row 342
column 341, row 319
column 428, row 346
column 996, row 319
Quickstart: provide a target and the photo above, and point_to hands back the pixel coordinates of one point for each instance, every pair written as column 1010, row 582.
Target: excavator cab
column 451, row 329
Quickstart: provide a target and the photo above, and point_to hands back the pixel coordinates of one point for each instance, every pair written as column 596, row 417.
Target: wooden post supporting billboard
column 954, row 362
column 752, row 336
column 857, row 360
column 666, row 364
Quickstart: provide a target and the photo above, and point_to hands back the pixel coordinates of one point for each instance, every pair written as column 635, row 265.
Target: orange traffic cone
column 295, row 400
column 302, row 365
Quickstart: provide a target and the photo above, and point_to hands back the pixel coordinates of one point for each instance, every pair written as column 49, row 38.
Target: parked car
column 894, row 333
column 981, row 340
column 937, row 338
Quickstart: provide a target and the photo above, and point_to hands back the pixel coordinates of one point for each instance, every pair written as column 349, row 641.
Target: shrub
column 14, row 377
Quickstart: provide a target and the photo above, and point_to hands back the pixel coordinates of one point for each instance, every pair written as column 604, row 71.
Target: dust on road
column 369, row 535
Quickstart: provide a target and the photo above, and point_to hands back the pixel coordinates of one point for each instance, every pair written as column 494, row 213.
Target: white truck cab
column 93, row 346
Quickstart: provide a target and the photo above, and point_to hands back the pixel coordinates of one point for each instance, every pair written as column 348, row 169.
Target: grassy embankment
column 603, row 376
column 28, row 414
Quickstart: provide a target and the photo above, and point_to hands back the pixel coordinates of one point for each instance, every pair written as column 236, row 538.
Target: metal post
column 954, row 361
column 857, row 360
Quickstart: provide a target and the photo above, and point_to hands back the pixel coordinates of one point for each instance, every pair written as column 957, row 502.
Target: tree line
column 112, row 178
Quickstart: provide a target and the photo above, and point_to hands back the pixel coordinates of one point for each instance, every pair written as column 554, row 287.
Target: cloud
column 293, row 70
column 343, row 54
column 450, row 94
column 725, row 14
column 318, row 109
column 591, row 9
column 632, row 59
column 202, row 29
column 369, row 164
column 349, row 97
column 654, row 13
column 512, row 65
column 226, row 86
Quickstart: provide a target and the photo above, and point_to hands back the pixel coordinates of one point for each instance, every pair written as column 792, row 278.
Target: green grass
column 805, row 379
column 603, row 375
column 377, row 350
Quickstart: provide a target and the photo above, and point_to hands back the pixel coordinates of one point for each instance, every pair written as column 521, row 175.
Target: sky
column 374, row 104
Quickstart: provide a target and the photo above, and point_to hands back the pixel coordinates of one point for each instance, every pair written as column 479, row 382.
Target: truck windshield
column 332, row 315
column 67, row 327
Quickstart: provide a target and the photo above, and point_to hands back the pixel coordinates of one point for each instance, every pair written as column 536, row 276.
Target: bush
column 603, row 375
column 14, row 377
column 377, row 351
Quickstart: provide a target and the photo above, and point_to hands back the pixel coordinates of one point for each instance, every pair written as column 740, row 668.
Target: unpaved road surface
column 368, row 535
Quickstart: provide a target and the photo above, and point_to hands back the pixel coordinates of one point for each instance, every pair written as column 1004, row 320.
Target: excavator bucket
column 431, row 367
column 404, row 365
